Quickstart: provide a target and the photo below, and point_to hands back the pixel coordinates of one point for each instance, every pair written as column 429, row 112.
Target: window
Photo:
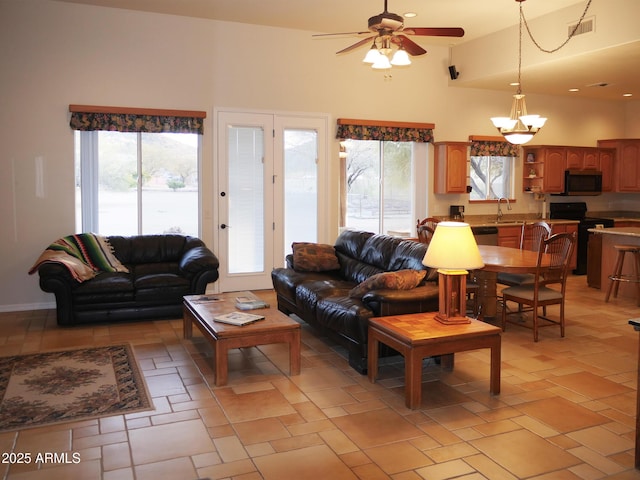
column 492, row 166
column 380, row 186
column 142, row 183
column 136, row 182
column 382, row 165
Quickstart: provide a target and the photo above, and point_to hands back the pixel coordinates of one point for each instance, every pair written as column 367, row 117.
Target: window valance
column 384, row 130
column 492, row 147
column 121, row 119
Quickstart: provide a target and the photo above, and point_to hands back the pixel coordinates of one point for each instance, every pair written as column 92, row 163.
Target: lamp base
column 452, row 288
column 452, row 320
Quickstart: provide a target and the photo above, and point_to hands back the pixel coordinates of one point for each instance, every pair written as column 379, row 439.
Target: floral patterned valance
column 384, row 131
column 493, row 149
column 131, row 120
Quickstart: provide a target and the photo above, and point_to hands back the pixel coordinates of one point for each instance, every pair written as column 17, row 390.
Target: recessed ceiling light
column 574, row 89
column 627, row 94
column 410, row 15
column 514, row 84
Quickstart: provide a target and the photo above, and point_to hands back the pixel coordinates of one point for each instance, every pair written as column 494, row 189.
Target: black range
column 578, row 211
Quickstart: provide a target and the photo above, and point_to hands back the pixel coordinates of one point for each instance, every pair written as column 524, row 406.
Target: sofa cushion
column 350, row 242
column 314, row 257
column 399, row 280
column 378, row 251
column 347, row 316
column 409, row 254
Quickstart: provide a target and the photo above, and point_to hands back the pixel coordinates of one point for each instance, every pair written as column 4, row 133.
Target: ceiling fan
column 389, row 28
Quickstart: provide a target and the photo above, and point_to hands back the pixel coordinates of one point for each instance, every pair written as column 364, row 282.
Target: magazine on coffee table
column 250, row 301
column 238, row 318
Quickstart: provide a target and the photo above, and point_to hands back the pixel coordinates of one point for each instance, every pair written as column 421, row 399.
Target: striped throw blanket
column 84, row 255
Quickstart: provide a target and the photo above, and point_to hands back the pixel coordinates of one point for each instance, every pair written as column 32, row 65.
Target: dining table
column 501, row 259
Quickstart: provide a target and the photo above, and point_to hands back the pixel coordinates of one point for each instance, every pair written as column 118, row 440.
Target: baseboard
column 27, row 306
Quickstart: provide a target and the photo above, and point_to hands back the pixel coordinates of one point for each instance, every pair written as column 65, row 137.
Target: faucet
column 499, row 216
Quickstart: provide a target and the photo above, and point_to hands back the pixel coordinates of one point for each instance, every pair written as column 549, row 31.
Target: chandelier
column 519, row 127
column 378, row 54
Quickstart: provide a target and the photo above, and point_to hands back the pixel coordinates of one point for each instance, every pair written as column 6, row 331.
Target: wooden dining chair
column 425, row 229
column 530, row 237
column 556, row 250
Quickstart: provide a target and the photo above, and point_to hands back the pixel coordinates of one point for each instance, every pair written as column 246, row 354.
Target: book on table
column 249, row 301
column 238, row 318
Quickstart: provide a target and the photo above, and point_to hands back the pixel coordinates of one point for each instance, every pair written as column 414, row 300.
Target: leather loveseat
column 339, row 296
column 161, row 270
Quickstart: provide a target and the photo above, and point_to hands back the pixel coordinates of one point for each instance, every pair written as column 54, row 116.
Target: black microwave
column 582, row 182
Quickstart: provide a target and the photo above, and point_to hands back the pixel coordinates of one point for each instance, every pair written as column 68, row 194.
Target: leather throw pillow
column 398, row 280
column 314, row 257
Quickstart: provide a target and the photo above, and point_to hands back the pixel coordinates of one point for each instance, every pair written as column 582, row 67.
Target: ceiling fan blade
column 410, row 46
column 435, row 32
column 368, row 32
column 356, row 45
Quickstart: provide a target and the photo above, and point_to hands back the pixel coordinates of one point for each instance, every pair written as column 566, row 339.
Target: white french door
column 268, row 192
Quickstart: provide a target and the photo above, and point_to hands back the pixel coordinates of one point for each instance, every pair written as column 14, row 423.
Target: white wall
column 55, row 54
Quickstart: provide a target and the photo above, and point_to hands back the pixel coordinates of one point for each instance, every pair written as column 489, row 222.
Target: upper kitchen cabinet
column 450, row 168
column 606, row 159
column 582, row 158
column 550, row 166
column 626, row 165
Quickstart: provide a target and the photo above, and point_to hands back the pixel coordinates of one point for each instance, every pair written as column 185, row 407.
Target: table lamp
column 453, row 251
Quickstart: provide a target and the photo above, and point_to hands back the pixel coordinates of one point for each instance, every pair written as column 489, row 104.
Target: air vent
column 599, row 84
column 587, row 25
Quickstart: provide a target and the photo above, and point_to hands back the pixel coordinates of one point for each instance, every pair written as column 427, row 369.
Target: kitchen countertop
column 622, row 231
column 515, row 221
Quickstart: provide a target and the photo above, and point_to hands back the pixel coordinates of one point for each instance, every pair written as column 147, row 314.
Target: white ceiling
column 618, row 67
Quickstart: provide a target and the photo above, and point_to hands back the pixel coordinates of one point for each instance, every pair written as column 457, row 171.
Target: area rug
column 64, row 386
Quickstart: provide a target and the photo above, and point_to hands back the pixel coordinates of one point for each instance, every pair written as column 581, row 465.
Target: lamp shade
column 453, row 247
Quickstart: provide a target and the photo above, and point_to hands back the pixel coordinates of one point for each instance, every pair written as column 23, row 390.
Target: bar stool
column 618, row 276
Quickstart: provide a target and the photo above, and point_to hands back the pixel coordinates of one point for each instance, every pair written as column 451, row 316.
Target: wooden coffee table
column 275, row 328
column 419, row 335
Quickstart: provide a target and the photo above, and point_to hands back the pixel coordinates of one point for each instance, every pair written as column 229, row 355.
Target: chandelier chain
column 520, row 51
column 571, row 35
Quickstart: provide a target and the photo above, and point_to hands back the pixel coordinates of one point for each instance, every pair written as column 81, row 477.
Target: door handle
column 223, row 226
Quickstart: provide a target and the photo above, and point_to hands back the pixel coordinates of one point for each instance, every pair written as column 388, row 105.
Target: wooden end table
column 275, row 328
column 419, row 335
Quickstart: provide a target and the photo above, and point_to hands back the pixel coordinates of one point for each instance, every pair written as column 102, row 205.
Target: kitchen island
column 610, row 238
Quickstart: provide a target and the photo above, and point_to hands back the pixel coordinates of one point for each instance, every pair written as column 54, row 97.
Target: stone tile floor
column 566, row 410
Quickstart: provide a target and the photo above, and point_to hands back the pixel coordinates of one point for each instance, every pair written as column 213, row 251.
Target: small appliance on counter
column 456, row 212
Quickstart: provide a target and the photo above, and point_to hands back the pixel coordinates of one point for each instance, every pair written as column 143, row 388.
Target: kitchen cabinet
column 582, row 158
column 509, row 236
column 626, row 165
column 606, row 158
column 594, row 261
column 450, row 167
column 549, row 163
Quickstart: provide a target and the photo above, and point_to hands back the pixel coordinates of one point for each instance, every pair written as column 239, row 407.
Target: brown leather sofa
column 162, row 269
column 324, row 298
